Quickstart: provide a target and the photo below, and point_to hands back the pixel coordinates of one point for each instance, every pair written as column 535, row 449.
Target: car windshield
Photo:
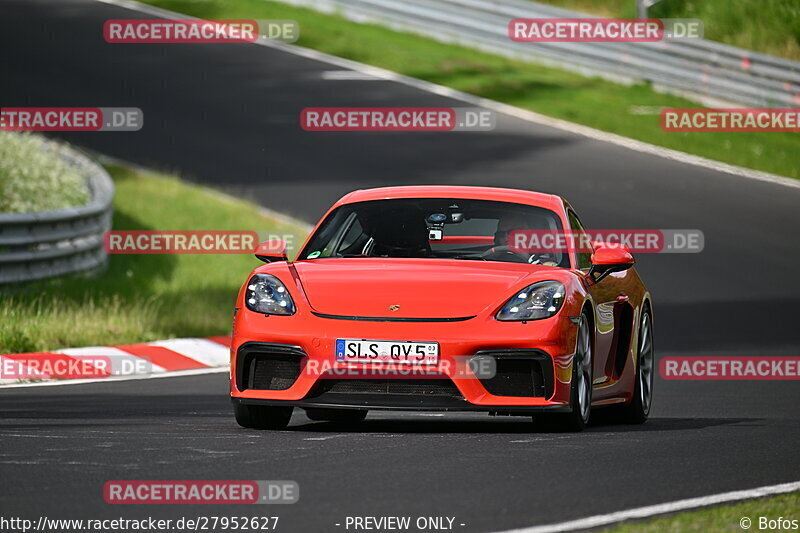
column 441, row 228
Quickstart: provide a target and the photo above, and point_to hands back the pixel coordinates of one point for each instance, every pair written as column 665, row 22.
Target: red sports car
column 426, row 298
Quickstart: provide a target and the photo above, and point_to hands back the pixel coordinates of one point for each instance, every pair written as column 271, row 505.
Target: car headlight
column 534, row 302
column 266, row 294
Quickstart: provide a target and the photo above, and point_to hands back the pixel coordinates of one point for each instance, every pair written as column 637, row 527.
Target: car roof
column 518, row 196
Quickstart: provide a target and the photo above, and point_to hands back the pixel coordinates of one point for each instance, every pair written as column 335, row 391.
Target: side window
column 331, row 233
column 353, row 240
column 584, row 258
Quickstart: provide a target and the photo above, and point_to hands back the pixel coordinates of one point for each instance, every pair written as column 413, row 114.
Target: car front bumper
column 289, row 360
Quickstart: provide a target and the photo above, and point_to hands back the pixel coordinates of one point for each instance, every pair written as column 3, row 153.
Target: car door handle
column 622, row 298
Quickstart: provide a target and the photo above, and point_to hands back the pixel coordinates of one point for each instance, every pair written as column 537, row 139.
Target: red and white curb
column 105, row 363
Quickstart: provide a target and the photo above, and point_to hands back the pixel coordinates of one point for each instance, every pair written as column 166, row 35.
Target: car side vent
column 263, row 366
column 520, row 374
column 273, row 372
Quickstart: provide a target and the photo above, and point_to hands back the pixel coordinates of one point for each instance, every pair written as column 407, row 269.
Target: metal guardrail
column 702, row 70
column 42, row 245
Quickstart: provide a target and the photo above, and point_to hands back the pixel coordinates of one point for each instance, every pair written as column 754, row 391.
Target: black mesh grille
column 411, row 387
column 273, row 372
column 266, row 366
column 520, row 375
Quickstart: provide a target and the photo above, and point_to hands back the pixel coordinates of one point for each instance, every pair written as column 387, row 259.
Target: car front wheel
column 581, row 389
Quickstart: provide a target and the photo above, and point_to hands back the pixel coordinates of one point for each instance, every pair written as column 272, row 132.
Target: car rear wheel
column 342, row 416
column 638, row 410
column 262, row 416
column 581, row 390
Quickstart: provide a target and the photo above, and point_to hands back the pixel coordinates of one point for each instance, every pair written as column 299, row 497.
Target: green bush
column 33, row 177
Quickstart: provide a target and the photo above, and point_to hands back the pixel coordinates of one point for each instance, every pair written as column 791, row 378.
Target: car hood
column 422, row 288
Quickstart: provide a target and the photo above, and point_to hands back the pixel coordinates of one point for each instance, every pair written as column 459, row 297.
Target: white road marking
column 325, row 438
column 348, row 75
column 92, row 350
column 499, row 107
column 61, row 382
column 662, row 508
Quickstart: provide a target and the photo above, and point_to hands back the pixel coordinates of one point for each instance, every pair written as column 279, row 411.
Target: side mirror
column 608, row 258
column 272, row 250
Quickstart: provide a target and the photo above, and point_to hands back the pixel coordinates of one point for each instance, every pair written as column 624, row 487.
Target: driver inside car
column 504, row 248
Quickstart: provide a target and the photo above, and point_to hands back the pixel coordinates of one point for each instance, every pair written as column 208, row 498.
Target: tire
column 262, row 416
column 342, row 416
column 581, row 388
column 638, row 410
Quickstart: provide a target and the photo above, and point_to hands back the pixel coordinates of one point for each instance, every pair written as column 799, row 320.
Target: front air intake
column 520, row 374
column 262, row 366
column 413, row 387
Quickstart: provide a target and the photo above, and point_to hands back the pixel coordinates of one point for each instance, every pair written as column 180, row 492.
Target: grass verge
column 631, row 111
column 722, row 518
column 34, row 178
column 142, row 297
column 768, row 26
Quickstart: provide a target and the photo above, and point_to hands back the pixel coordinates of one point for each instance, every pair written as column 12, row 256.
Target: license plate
column 398, row 352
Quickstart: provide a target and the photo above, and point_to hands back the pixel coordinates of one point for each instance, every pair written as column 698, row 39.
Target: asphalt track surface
column 227, row 116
